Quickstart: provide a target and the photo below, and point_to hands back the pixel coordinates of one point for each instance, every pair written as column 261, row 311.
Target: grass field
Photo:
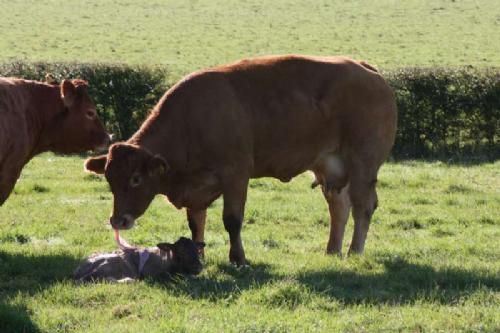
column 432, row 261
column 188, row 35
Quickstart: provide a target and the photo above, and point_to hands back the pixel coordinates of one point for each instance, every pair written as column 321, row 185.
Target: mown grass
column 188, row 35
column 432, row 261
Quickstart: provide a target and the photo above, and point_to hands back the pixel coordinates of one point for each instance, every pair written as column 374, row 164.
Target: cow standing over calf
column 36, row 117
column 275, row 116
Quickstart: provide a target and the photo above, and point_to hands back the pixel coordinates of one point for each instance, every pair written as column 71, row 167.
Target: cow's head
column 77, row 128
column 135, row 177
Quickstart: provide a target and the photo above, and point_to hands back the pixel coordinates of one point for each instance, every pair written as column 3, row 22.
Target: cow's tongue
column 122, row 243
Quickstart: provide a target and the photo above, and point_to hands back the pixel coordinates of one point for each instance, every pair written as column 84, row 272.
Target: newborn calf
column 131, row 263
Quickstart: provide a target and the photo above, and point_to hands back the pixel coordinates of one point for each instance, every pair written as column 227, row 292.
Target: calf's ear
column 96, row 164
column 166, row 246
column 68, row 93
column 157, row 166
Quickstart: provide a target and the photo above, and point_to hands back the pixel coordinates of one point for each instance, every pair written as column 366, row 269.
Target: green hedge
column 443, row 113
column 447, row 113
column 123, row 94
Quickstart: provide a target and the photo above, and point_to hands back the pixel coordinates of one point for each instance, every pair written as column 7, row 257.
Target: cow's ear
column 68, row 93
column 50, row 79
column 96, row 164
column 157, row 166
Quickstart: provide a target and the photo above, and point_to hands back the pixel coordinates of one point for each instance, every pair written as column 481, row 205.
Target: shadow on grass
column 400, row 283
column 27, row 274
column 226, row 283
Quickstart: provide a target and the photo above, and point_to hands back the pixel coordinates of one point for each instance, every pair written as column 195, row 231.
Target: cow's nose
column 107, row 140
column 122, row 222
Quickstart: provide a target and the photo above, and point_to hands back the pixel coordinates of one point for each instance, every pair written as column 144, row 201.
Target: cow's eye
column 90, row 114
column 135, row 180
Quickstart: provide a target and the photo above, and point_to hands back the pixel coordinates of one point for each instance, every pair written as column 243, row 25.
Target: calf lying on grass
column 130, row 263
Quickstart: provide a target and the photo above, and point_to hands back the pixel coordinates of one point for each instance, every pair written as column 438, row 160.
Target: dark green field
column 188, row 35
column 432, row 260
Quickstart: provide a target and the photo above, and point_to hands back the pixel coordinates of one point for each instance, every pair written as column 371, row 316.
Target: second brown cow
column 36, row 117
column 274, row 116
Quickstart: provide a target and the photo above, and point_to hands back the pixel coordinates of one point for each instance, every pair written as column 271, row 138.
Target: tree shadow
column 27, row 274
column 226, row 282
column 400, row 283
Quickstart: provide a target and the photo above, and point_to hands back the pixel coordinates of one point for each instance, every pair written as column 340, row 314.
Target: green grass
column 188, row 35
column 432, row 261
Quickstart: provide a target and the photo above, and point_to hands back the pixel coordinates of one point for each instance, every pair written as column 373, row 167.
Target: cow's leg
column 196, row 222
column 364, row 202
column 234, row 194
column 339, row 205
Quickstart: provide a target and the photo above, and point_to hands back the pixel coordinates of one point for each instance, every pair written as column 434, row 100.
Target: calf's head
column 77, row 128
column 185, row 256
column 135, row 177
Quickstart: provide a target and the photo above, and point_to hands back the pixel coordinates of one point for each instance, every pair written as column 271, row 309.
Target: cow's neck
column 151, row 135
column 46, row 104
column 164, row 134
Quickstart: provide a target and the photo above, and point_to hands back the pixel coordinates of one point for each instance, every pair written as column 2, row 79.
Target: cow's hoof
column 237, row 258
column 245, row 264
column 238, row 262
column 332, row 252
column 354, row 252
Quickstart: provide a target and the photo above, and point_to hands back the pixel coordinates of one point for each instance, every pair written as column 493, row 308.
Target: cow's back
column 298, row 107
column 277, row 114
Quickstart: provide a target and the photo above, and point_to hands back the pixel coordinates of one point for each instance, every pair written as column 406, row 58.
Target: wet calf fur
column 158, row 263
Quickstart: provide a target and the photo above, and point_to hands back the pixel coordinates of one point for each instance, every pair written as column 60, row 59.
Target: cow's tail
column 368, row 66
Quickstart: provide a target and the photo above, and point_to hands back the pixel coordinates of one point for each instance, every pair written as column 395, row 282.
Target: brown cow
column 36, row 117
column 274, row 116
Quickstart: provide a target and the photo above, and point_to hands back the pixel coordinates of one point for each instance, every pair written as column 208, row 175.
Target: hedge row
column 443, row 113
column 123, row 95
column 447, row 113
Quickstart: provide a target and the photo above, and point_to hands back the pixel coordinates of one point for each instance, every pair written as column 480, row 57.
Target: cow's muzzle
column 105, row 143
column 123, row 222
